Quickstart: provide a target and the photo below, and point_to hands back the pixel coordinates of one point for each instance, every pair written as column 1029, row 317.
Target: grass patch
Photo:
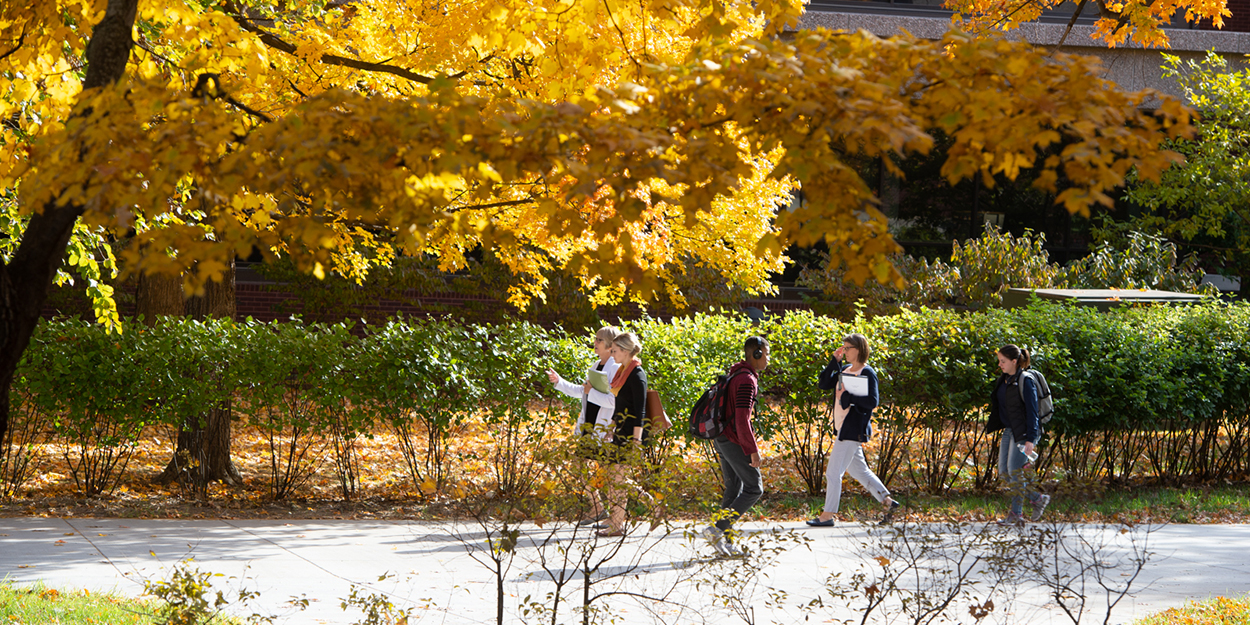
column 1215, row 611
column 1228, row 503
column 40, row 605
column 1205, row 504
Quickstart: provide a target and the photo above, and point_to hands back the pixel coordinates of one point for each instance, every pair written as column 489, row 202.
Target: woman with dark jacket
column 629, row 424
column 852, row 423
column 1013, row 409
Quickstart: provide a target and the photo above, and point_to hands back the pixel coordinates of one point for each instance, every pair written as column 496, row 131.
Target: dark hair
column 1018, row 354
column 754, row 344
column 860, row 343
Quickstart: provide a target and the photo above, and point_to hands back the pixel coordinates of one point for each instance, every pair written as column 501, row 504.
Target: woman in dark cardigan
column 1013, row 409
column 629, row 385
column 852, row 426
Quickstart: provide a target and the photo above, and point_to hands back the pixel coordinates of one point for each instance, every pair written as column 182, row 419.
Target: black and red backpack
column 708, row 418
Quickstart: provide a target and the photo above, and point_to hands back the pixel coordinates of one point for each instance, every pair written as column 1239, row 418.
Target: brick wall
column 267, row 301
column 1239, row 22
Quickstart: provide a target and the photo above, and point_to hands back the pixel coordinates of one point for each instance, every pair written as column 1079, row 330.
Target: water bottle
column 1030, row 456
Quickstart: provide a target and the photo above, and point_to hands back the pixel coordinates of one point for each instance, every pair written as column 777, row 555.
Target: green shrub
column 417, row 375
column 289, row 375
column 93, row 387
column 981, row 271
column 1155, row 389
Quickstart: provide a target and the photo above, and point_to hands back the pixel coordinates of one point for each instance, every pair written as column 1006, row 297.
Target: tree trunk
column 159, row 296
column 9, row 353
column 203, row 451
column 218, row 299
column 26, row 279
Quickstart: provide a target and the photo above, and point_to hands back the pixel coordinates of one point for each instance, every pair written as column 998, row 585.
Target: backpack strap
column 1037, row 388
column 736, row 374
column 728, row 401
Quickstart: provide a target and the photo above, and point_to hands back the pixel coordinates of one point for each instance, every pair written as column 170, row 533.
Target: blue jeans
column 743, row 483
column 1011, row 463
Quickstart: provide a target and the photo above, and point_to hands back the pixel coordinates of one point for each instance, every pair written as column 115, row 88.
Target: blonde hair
column 607, row 334
column 628, row 341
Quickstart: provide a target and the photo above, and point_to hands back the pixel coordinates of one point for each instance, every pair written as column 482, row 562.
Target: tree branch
column 621, row 33
column 201, row 91
column 1120, row 19
column 1007, row 16
column 143, row 45
column 1214, row 248
column 1240, row 214
column 108, row 52
column 278, row 43
column 296, row 88
column 491, row 205
column 1071, row 23
column 20, row 41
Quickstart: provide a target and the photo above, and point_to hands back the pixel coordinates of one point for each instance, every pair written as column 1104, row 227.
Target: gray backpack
column 1045, row 403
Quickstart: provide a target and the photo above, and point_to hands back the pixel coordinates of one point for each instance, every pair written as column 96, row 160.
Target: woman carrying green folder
column 598, row 405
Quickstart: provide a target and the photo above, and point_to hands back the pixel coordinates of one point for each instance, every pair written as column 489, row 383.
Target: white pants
column 848, row 457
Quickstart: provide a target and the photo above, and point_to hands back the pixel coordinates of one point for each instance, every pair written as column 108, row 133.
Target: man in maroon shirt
column 739, row 455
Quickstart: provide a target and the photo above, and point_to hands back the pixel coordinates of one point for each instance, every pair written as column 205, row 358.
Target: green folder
column 599, row 380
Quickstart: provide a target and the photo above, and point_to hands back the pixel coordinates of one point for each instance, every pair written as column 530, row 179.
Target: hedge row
column 1124, row 381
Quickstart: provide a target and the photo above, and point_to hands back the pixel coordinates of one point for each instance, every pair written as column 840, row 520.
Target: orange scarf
column 622, row 374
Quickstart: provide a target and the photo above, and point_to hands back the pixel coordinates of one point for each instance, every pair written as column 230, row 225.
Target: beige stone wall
column 1130, row 66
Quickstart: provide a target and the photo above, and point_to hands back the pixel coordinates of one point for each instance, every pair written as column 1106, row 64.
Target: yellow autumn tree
column 613, row 140
column 1119, row 21
column 269, row 60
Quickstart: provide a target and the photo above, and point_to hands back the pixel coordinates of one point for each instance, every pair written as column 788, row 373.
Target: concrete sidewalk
column 431, row 569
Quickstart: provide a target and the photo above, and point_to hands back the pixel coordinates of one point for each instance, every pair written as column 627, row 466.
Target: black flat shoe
column 816, row 522
column 889, row 513
column 593, row 520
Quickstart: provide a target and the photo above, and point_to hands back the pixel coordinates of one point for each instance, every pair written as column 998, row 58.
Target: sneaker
column 1039, row 507
column 716, row 537
column 1012, row 518
column 889, row 512
column 730, row 550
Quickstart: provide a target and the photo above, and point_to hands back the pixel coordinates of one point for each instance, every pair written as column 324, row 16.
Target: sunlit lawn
column 1215, row 611
column 39, row 605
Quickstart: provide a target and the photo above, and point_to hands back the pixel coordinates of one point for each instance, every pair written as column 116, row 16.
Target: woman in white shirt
column 595, row 420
